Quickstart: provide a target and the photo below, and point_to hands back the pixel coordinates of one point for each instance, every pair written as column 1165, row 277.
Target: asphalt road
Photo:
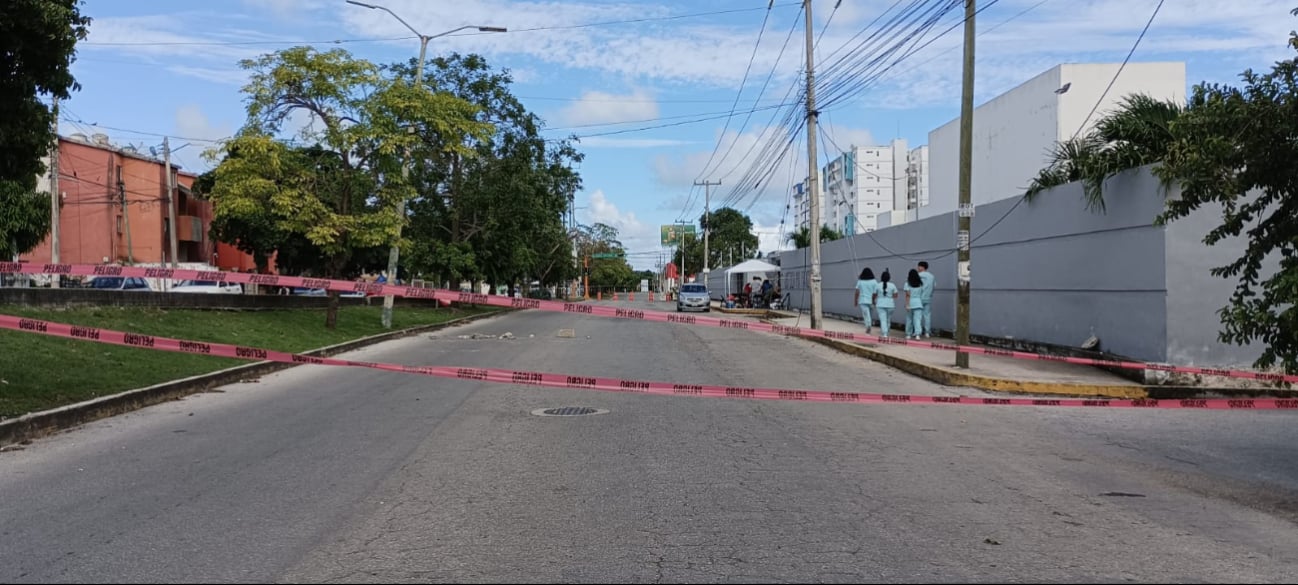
column 332, row 474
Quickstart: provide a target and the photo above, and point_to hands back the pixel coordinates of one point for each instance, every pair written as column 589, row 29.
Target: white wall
column 1015, row 132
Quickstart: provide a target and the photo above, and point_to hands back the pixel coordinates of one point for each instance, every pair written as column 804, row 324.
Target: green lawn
column 39, row 372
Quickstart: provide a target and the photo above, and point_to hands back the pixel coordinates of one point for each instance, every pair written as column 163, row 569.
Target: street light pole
column 394, row 253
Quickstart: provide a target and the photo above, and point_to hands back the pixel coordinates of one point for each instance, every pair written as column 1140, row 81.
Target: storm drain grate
column 568, row 411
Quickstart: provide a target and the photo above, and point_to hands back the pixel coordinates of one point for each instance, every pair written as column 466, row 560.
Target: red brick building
column 113, row 208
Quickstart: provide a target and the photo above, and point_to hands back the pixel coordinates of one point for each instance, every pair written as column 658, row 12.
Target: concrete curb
column 34, row 425
column 953, row 377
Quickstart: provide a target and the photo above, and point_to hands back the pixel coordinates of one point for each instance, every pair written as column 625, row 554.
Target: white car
column 208, row 287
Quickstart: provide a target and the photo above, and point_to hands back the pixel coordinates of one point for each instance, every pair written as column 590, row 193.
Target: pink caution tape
column 376, row 289
column 524, row 377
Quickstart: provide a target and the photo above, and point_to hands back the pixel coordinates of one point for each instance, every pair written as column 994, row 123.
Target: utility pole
column 681, row 277
column 126, row 217
column 707, row 222
column 54, row 197
column 966, row 187
column 172, row 236
column 813, row 179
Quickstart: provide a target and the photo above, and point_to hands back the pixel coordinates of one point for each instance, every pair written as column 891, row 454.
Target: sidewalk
column 1000, row 374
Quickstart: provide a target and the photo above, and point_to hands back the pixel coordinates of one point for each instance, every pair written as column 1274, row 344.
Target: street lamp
column 395, row 253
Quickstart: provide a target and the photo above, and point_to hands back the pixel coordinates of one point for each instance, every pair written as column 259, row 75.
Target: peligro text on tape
column 553, row 380
column 599, row 311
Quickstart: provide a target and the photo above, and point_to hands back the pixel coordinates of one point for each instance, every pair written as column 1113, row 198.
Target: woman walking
column 866, row 288
column 914, row 305
column 886, row 301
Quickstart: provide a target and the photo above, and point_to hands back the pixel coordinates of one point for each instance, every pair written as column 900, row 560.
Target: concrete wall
column 1053, row 272
column 1015, row 131
column 1193, row 299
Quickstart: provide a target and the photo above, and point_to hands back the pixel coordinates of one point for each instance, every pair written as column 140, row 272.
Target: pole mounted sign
column 673, row 234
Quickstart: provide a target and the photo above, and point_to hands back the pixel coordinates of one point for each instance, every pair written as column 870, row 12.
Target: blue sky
column 153, row 68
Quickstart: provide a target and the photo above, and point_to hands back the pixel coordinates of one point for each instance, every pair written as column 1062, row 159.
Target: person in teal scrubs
column 926, row 296
column 914, row 306
column 886, row 301
column 866, row 288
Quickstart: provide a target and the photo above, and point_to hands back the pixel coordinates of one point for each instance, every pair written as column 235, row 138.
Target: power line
column 1120, row 67
column 656, row 126
column 988, row 31
column 718, row 114
column 749, row 115
column 406, row 38
column 738, row 94
column 142, row 132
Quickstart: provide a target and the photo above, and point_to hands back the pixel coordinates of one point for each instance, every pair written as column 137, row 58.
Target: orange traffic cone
column 599, row 296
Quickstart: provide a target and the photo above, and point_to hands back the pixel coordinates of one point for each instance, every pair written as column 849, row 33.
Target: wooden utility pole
column 965, row 213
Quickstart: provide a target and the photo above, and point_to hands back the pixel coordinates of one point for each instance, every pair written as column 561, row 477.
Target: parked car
column 210, row 287
column 118, row 283
column 694, row 297
column 320, row 292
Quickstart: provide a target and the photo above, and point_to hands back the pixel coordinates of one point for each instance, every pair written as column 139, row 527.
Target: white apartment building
column 862, row 184
column 801, row 206
column 917, row 178
column 1014, row 133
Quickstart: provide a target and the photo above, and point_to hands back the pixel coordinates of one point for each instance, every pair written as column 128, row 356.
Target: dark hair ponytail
column 913, row 279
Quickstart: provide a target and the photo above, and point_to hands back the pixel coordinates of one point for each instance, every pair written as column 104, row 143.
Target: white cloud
column 597, row 107
column 1210, row 34
column 191, row 122
column 287, row 9
column 753, row 172
column 689, row 50
column 223, row 76
column 635, row 235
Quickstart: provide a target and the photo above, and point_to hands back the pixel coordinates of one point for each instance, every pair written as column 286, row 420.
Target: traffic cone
column 630, row 296
column 599, row 296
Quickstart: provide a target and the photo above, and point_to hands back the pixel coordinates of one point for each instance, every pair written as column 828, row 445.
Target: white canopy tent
column 747, row 267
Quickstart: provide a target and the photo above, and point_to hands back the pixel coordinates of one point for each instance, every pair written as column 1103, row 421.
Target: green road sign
column 671, row 234
column 605, row 255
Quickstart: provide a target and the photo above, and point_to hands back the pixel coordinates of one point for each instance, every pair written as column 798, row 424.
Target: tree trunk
column 331, row 313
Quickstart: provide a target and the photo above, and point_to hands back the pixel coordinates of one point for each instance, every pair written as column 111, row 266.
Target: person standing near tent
column 866, row 289
column 886, row 302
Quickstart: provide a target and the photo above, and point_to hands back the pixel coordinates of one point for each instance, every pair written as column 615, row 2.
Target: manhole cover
column 568, row 411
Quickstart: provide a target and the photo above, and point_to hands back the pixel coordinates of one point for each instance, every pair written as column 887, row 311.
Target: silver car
column 694, row 297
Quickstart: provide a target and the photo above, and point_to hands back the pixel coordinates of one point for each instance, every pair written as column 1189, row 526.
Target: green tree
column 38, row 41
column 802, row 237
column 24, row 219
column 730, row 234
column 497, row 215
column 1135, row 134
column 604, row 272
column 1234, row 148
column 339, row 193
